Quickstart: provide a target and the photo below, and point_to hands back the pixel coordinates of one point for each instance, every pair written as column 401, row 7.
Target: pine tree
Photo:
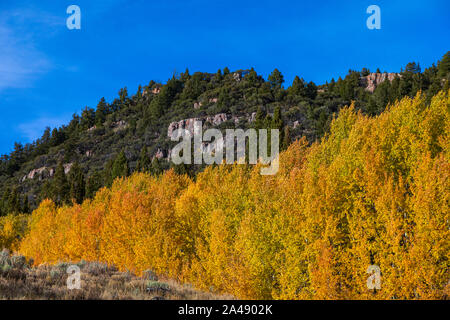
column 26, row 205
column 87, row 118
column 14, row 202
column 144, row 162
column 277, row 121
column 219, row 76
column 259, row 119
column 412, row 67
column 276, row 79
column 123, row 94
column 139, row 92
column 444, row 66
column 101, row 112
column 120, row 167
column 107, row 173
column 298, row 87
column 4, row 209
column 179, row 169
column 311, row 90
column 156, row 168
column 286, row 138
column 252, row 77
column 185, row 76
column 46, row 191
column 76, row 183
column 93, row 184
column 60, row 186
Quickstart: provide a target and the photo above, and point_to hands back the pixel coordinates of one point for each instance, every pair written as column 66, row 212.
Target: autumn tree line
column 374, row 190
column 136, row 122
column 74, row 185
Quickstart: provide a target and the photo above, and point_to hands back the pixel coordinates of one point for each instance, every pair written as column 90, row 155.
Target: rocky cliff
column 371, row 81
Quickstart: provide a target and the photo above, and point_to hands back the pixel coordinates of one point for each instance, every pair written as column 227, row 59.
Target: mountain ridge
column 137, row 125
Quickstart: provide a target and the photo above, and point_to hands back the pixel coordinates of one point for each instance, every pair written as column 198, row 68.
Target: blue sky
column 48, row 72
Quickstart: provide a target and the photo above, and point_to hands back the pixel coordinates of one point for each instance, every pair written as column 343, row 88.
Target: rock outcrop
column 217, row 119
column 45, row 172
column 188, row 124
column 155, row 90
column 42, row 172
column 67, row 167
column 371, row 81
column 198, row 105
column 119, row 125
column 159, row 154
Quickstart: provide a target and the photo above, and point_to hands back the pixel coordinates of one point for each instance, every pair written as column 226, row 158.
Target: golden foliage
column 373, row 191
column 12, row 228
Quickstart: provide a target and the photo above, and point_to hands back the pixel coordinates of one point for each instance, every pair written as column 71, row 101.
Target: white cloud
column 34, row 129
column 21, row 61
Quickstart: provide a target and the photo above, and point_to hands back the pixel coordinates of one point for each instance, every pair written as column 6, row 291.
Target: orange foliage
column 373, row 191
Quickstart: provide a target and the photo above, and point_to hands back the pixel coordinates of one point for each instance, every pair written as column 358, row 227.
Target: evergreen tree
column 76, row 183
column 100, row 114
column 286, row 138
column 162, row 102
column 120, row 167
column 139, row 92
column 26, row 205
column 47, row 191
column 311, row 90
column 107, row 173
column 298, row 87
column 4, row 208
column 123, row 94
column 60, row 186
column 252, row 77
column 372, row 108
column 46, row 136
column 87, row 118
column 14, row 202
column 194, row 87
column 277, row 121
column 57, row 137
column 412, row 67
column 179, row 169
column 185, row 76
column 259, row 119
column 93, row 184
column 219, row 76
column 276, row 79
column 156, row 168
column 444, row 66
column 365, row 72
column 144, row 162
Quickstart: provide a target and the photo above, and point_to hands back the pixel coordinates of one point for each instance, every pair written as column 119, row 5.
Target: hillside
column 373, row 191
column 130, row 133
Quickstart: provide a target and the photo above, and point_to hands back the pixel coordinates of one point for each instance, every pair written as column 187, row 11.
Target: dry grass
column 98, row 281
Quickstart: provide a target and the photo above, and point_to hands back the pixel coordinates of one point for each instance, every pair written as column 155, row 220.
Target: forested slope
column 129, row 133
column 374, row 190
